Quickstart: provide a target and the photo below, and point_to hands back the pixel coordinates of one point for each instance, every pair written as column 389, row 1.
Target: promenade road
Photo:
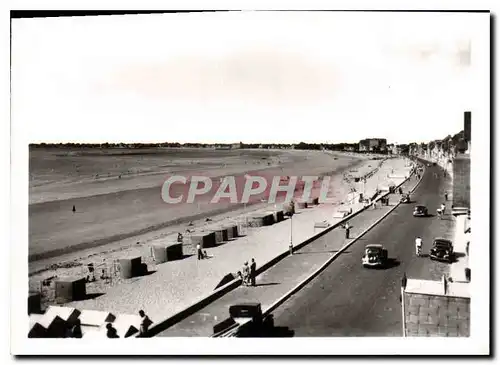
column 349, row 300
column 283, row 276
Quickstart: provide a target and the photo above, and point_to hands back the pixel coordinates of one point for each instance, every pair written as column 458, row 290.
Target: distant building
column 236, row 146
column 373, row 145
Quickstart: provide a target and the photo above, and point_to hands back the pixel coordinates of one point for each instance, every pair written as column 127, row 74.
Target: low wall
column 429, row 315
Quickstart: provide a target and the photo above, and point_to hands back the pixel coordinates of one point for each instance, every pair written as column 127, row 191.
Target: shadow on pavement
column 267, row 329
column 312, row 252
column 392, row 262
column 266, row 284
column 89, row 296
column 147, row 273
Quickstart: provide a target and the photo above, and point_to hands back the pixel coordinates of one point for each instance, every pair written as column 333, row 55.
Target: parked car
column 374, row 256
column 420, row 211
column 442, row 250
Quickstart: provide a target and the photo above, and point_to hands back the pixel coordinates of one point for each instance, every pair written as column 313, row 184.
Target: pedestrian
column 347, row 229
column 74, row 209
column 180, row 237
column 253, row 270
column 443, row 208
column 111, row 331
column 446, row 196
column 200, row 253
column 246, row 273
column 418, row 246
column 145, row 322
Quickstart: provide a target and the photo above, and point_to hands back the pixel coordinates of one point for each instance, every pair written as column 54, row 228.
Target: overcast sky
column 249, row 76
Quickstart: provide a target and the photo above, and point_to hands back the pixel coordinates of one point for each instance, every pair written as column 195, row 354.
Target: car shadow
column 390, row 263
column 267, row 329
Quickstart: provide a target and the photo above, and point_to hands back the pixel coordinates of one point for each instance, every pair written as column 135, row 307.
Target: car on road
column 420, row 211
column 442, row 250
column 374, row 256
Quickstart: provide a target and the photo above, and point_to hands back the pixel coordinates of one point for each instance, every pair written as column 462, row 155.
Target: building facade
column 373, row 145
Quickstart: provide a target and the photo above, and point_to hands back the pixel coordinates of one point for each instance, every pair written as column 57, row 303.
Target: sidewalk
column 281, row 278
column 175, row 285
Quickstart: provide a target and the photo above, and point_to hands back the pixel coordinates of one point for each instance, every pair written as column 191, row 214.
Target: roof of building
column 436, row 287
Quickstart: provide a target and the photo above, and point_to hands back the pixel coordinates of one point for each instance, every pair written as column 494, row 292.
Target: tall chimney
column 467, row 129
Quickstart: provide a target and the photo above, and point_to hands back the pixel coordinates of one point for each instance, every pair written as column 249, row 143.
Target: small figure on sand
column 145, row 322
column 253, row 271
column 246, row 274
column 111, row 331
column 74, row 209
column 200, row 253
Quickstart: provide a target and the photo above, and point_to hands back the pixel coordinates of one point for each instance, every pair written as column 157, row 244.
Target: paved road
column 349, row 300
column 282, row 277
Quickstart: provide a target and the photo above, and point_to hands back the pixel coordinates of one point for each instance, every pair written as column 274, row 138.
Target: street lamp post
column 290, row 247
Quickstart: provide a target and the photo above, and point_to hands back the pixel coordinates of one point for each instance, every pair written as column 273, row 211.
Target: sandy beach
column 110, row 209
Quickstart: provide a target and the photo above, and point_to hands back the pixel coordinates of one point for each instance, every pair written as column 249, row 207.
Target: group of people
column 202, row 254
column 248, row 274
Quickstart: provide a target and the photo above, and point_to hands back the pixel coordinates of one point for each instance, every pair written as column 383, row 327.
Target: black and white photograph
column 301, row 180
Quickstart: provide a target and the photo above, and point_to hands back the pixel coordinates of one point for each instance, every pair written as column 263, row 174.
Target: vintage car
column 375, row 256
column 442, row 250
column 420, row 211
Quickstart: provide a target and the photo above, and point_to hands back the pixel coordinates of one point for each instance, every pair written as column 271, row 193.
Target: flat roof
column 436, row 287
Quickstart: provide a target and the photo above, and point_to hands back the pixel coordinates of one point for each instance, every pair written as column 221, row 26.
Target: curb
column 184, row 313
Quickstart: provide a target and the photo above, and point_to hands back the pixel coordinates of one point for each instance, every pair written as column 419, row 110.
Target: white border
column 477, row 343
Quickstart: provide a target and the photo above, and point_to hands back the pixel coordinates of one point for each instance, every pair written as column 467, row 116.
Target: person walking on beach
column 111, row 331
column 246, row 273
column 74, row 209
column 200, row 253
column 253, row 270
column 145, row 322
